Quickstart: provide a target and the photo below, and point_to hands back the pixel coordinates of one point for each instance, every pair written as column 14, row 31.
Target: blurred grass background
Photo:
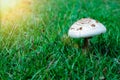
column 34, row 43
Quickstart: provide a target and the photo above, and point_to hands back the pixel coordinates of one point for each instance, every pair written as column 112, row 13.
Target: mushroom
column 86, row 28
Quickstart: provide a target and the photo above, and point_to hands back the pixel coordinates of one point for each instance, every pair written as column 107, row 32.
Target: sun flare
column 7, row 4
column 14, row 9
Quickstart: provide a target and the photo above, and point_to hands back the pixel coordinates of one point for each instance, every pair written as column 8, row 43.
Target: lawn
column 34, row 42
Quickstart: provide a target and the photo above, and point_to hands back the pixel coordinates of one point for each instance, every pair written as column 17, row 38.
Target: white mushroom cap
column 86, row 27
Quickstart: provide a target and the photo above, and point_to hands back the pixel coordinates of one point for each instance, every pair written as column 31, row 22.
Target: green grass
column 36, row 46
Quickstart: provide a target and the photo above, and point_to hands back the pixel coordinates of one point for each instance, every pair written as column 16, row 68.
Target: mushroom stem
column 86, row 43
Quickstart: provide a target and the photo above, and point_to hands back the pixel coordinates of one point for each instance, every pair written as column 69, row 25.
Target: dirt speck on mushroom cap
column 93, row 25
